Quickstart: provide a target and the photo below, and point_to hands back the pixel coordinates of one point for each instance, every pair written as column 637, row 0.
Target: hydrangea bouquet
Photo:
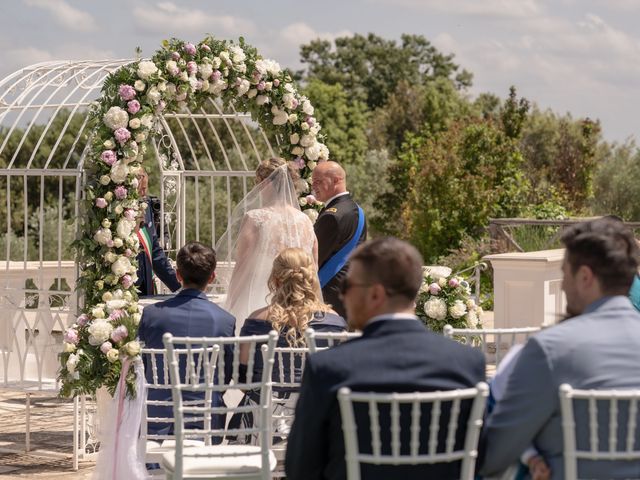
column 447, row 300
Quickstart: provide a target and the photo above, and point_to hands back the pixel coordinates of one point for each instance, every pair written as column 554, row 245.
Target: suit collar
column 393, row 325
column 192, row 292
column 337, row 198
column 609, row 303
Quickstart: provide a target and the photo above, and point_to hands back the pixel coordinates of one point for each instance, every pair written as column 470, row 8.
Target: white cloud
column 481, row 8
column 299, row 33
column 167, row 17
column 66, row 15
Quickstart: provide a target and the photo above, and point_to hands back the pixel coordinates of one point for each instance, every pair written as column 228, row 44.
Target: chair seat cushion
column 216, row 459
column 155, row 447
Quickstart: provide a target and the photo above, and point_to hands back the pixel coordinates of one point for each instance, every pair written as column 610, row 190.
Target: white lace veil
column 266, row 221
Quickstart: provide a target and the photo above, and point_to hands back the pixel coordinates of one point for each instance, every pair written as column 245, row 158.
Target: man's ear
column 585, row 275
column 179, row 277
column 212, row 277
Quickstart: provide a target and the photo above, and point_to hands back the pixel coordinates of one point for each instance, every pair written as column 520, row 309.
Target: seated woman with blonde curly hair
column 294, row 306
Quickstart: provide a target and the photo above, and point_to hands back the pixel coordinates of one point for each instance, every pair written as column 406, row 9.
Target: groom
column 340, row 227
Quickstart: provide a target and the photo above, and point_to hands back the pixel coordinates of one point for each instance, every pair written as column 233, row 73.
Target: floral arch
column 183, row 84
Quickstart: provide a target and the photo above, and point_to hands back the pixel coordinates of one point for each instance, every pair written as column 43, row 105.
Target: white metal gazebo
column 204, row 160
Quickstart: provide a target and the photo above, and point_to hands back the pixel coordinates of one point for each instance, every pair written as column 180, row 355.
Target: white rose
column 125, row 227
column 268, row 86
column 117, row 242
column 470, row 303
column 293, row 118
column 116, row 304
column 458, row 309
column 121, row 266
column 237, row 54
column 99, row 332
column 313, row 152
column 216, row 62
column 109, row 144
column 262, row 99
column 136, row 317
column 147, row 120
column 146, row 68
column 205, row 70
column 110, row 257
column 307, row 140
column 113, row 355
column 97, row 312
column 311, row 213
column 311, row 165
column 119, row 172
column 289, row 88
column 154, row 96
column 297, row 151
column 436, row 308
column 72, row 363
column 102, row 236
column 289, row 101
column 243, row 87
column 116, row 118
column 118, row 209
column 324, row 152
column 106, row 296
column 217, row 87
column 171, row 90
column 302, row 201
column 252, row 93
column 224, row 56
column 307, row 107
column 315, row 129
column 472, row 318
column 304, row 126
column 140, row 137
column 139, row 85
column 134, row 123
column 294, row 139
column 280, row 119
column 184, row 76
column 442, row 281
column 68, row 347
column 132, row 348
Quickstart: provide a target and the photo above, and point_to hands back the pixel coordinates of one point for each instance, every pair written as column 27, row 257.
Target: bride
column 265, row 222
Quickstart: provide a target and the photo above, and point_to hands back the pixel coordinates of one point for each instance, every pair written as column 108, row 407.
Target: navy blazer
column 161, row 265
column 188, row 314
column 395, row 355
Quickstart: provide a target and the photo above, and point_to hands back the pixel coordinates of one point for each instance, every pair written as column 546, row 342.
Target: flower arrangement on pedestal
column 178, row 76
column 447, row 300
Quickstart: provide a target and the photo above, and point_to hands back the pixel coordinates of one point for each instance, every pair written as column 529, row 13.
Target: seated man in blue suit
column 151, row 259
column 596, row 347
column 188, row 314
column 396, row 353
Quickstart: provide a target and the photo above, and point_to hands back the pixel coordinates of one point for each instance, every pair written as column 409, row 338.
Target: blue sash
column 339, row 259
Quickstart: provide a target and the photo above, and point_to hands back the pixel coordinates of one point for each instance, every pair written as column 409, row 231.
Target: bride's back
column 280, row 228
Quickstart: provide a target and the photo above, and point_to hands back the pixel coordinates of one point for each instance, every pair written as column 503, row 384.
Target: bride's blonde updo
column 267, row 167
column 295, row 288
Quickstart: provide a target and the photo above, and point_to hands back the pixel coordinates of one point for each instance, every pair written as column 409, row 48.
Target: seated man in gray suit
column 596, row 347
column 396, row 353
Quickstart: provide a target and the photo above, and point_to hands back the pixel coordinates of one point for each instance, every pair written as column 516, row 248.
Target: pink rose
column 299, row 162
column 101, row 202
column 105, row 347
column 122, row 135
column 276, row 82
column 116, row 314
column 82, row 320
column 189, row 49
column 161, row 106
column 126, row 92
column 120, row 192
column 205, row 47
column 454, row 282
column 133, row 107
column 128, row 252
column 175, row 56
column 109, row 157
column 110, row 243
column 434, row 289
column 311, row 200
column 216, row 75
column 261, row 86
column 310, row 121
column 119, row 333
column 71, row 336
column 192, row 67
column 130, row 214
column 127, row 281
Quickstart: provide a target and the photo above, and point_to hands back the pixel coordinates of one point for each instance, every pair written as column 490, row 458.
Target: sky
column 576, row 56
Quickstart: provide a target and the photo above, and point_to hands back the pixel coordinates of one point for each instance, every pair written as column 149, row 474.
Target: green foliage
column 370, row 67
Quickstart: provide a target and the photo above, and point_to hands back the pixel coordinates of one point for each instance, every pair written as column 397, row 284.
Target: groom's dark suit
column 188, row 314
column 395, row 355
column 334, row 227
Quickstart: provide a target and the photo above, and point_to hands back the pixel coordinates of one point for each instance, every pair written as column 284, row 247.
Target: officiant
column 340, row 228
column 152, row 260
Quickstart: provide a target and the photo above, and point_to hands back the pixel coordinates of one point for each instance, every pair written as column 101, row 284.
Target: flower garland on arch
column 178, row 76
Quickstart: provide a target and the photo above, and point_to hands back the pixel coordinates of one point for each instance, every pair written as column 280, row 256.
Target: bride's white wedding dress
column 266, row 221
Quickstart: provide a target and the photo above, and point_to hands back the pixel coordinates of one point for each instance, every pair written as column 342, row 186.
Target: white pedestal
column 527, row 288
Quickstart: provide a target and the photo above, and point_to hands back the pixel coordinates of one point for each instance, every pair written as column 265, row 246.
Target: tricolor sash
column 147, row 246
column 339, row 259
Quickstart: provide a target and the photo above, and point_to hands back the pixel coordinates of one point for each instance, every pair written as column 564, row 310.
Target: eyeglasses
column 346, row 284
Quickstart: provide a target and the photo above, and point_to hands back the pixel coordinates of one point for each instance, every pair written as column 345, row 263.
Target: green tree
column 370, row 67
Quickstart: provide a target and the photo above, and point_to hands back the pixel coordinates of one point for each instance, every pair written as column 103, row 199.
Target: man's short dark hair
column 608, row 248
column 393, row 263
column 196, row 262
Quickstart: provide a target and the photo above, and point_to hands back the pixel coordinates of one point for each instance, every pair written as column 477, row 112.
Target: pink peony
column 310, row 121
column 71, row 336
column 119, row 333
column 109, row 243
column 122, row 135
column 105, row 347
column 120, row 192
column 192, row 67
column 276, row 82
column 434, row 289
column 109, row 157
column 82, row 320
column 311, row 200
column 126, row 92
column 128, row 252
column 127, row 281
column 454, row 282
column 101, row 202
column 116, row 314
column 130, row 214
column 216, row 75
column 299, row 162
column 133, row 107
column 175, row 56
column 189, row 49
column 261, row 86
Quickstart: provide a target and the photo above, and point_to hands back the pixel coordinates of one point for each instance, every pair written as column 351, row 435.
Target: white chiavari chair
column 321, row 340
